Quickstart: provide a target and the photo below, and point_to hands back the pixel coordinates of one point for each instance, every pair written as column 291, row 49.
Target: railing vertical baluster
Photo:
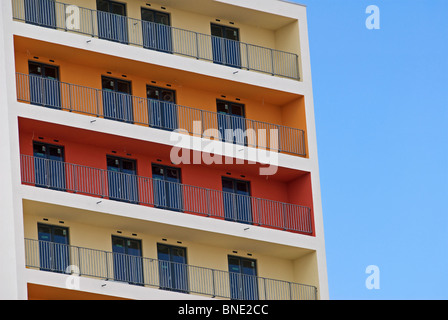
column 207, row 197
column 213, row 283
column 303, row 143
column 247, row 57
column 103, row 182
column 97, row 102
column 107, row 266
column 79, row 261
column 197, row 45
column 202, row 124
column 297, row 67
column 279, row 138
column 75, row 178
column 284, row 215
column 93, row 23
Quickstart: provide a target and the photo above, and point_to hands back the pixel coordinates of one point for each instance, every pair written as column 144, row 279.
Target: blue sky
column 381, row 106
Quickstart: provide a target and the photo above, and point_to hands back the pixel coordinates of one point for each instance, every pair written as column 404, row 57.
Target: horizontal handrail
column 167, row 275
column 154, row 36
column 122, row 107
column 163, row 194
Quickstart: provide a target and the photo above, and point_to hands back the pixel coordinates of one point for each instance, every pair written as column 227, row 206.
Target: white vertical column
column 313, row 156
column 12, row 257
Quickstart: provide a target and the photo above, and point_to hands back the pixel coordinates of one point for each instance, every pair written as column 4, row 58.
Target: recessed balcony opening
column 260, row 42
column 82, row 162
column 163, row 257
column 160, row 98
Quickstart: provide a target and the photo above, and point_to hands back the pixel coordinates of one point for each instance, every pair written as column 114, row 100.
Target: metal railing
column 163, row 194
column 166, row 275
column 157, row 114
column 153, row 36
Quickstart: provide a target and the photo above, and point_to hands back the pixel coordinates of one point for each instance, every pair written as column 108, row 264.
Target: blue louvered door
column 45, row 88
column 112, row 21
column 40, row 12
column 117, row 100
column 122, row 179
column 226, row 46
column 162, row 108
column 156, row 30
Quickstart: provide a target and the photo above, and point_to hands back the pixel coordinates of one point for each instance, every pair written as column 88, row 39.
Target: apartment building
column 158, row 149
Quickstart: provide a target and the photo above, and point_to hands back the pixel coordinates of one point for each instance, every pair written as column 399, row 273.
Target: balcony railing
column 165, row 275
column 166, row 195
column 157, row 114
column 153, row 36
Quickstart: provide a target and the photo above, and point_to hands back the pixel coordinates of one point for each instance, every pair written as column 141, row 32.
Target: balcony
column 165, row 275
column 125, row 108
column 166, row 195
column 159, row 37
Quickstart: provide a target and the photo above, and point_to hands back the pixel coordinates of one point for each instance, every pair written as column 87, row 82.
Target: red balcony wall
column 89, row 149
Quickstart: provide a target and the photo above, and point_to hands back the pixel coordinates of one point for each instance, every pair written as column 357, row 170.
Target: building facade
column 158, row 150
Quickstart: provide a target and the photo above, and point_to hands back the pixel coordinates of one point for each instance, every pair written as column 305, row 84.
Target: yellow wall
column 305, row 270
column 287, row 39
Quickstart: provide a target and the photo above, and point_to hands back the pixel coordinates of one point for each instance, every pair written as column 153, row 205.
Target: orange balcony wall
column 84, row 70
column 41, row 292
